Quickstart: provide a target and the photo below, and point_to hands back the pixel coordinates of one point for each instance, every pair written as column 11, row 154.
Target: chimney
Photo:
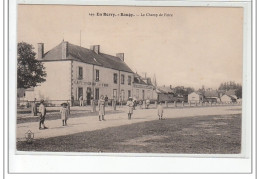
column 64, row 50
column 121, row 56
column 40, row 50
column 95, row 48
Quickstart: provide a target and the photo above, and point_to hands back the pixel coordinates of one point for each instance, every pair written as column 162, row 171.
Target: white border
column 126, row 163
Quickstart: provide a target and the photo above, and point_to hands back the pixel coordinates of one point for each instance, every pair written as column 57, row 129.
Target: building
column 165, row 93
column 211, row 96
column 227, row 99
column 143, row 88
column 74, row 71
column 195, row 97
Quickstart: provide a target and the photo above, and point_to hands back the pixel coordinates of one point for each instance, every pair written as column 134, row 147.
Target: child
column 130, row 105
column 64, row 114
column 42, row 110
column 101, row 107
column 160, row 110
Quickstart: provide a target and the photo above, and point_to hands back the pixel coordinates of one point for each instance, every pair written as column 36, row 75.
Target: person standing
column 42, row 110
column 130, row 105
column 101, row 107
column 68, row 107
column 120, row 101
column 160, row 110
column 72, row 100
column 64, row 114
column 34, row 108
column 80, row 101
column 147, row 103
column 106, row 101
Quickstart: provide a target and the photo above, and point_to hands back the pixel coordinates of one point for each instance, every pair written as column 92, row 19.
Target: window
column 129, row 80
column 80, row 73
column 97, row 75
column 122, row 79
column 115, row 78
column 137, row 93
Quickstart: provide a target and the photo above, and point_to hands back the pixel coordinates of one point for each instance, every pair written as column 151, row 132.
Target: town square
column 114, row 84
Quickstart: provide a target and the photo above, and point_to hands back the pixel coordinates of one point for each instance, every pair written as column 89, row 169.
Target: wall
column 105, row 84
column 85, row 82
column 194, row 97
column 226, row 98
column 58, row 82
column 149, row 92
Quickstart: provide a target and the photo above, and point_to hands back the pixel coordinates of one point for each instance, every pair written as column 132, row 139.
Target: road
column 90, row 122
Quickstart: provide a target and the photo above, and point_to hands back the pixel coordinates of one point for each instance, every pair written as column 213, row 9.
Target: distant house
column 211, row 96
column 195, row 97
column 232, row 93
column 165, row 94
column 227, row 99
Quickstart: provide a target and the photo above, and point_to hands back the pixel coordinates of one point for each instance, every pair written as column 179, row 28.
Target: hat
column 42, row 100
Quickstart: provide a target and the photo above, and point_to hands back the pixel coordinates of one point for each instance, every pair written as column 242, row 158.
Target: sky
column 191, row 47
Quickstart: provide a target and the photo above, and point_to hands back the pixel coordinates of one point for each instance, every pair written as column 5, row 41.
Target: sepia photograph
column 129, row 79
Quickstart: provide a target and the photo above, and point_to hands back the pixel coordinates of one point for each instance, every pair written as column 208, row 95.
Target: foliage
column 183, row 91
column 30, row 71
column 232, row 86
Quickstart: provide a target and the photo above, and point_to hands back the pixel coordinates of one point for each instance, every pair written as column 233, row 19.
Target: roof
column 230, row 92
column 87, row 56
column 229, row 96
column 196, row 92
column 165, row 89
column 210, row 94
column 139, row 81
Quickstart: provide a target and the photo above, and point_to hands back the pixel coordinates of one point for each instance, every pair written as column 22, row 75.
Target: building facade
column 195, row 97
column 143, row 88
column 74, row 71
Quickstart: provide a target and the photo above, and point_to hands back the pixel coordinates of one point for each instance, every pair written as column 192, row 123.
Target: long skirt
column 102, row 110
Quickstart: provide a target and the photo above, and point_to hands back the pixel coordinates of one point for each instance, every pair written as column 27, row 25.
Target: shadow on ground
column 220, row 134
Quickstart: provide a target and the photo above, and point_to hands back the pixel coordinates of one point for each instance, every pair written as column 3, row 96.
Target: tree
column 30, row 71
column 232, row 86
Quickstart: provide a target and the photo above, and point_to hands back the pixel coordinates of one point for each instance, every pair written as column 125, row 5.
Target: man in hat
column 42, row 111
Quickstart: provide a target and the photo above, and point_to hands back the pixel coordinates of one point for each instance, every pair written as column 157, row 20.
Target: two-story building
column 74, row 71
column 143, row 88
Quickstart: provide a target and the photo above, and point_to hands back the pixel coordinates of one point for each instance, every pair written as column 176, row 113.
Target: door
column 143, row 94
column 88, row 96
column 115, row 94
column 122, row 95
column 80, row 92
column 97, row 93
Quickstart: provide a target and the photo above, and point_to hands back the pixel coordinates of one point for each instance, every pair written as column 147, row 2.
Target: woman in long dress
column 130, row 105
column 101, row 106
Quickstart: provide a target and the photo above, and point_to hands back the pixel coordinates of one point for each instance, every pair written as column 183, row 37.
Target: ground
column 202, row 130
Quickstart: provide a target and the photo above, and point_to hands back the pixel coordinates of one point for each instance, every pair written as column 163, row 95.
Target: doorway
column 88, row 96
column 80, row 92
column 97, row 93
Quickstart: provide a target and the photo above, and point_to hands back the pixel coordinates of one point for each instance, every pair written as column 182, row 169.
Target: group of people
column 65, row 111
column 131, row 105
